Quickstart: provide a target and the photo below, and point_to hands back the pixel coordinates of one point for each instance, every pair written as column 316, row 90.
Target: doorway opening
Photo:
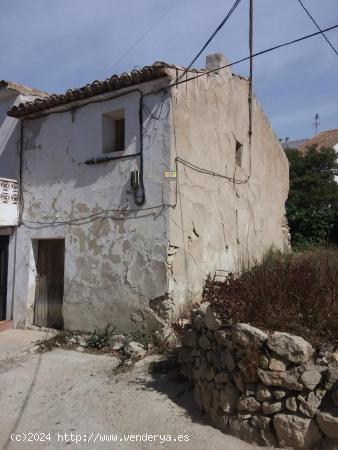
column 48, row 308
column 4, row 240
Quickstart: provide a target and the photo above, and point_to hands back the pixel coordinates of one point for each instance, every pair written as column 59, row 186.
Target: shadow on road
column 166, row 379
column 24, row 404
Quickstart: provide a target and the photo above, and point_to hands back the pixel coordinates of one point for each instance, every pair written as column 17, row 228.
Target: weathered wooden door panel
column 49, row 293
column 40, row 310
column 3, row 275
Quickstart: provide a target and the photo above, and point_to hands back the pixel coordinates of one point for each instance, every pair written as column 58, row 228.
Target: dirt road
column 62, row 392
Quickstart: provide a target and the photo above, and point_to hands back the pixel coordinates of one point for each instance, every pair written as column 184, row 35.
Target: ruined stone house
column 133, row 190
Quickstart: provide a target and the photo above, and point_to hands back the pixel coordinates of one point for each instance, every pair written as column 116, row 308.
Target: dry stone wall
column 268, row 388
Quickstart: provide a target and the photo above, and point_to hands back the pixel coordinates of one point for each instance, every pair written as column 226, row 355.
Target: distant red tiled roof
column 20, row 89
column 116, row 82
column 326, row 139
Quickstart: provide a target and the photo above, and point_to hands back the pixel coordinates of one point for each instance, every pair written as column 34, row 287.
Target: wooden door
column 3, row 275
column 49, row 294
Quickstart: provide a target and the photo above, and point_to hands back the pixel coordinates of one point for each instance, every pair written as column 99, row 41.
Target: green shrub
column 296, row 293
column 100, row 338
column 312, row 205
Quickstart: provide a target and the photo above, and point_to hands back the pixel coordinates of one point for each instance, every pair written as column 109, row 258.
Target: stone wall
column 268, row 388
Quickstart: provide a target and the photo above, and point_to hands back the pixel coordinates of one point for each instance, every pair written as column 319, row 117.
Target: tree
column 312, row 205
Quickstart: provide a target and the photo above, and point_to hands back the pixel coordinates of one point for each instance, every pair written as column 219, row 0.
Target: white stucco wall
column 9, row 168
column 10, row 134
column 114, row 264
column 9, row 137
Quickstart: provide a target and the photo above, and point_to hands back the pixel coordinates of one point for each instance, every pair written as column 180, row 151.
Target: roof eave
column 113, row 84
column 97, row 88
column 68, row 106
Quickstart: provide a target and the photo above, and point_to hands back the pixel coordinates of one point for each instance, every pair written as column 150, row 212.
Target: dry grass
column 296, row 293
column 64, row 339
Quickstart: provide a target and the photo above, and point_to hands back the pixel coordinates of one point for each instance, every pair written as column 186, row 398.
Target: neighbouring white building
column 11, row 94
column 132, row 190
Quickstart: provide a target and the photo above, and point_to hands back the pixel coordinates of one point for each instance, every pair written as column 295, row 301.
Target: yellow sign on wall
column 170, row 174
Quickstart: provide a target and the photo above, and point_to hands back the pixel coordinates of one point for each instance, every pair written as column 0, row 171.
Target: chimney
column 215, row 61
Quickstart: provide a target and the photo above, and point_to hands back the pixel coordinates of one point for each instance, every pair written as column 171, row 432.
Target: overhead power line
column 322, row 32
column 220, row 26
column 250, row 94
column 145, row 33
column 262, row 52
column 250, row 65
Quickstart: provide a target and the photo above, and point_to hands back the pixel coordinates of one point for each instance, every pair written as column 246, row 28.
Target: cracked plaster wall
column 137, row 272
column 224, row 225
column 113, row 265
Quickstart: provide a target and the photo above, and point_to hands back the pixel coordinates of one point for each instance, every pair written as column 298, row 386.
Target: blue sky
column 56, row 45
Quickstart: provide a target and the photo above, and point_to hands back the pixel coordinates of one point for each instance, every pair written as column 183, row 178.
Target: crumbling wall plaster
column 139, row 269
column 115, row 262
column 218, row 224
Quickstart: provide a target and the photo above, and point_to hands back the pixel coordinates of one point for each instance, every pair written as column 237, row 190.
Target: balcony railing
column 8, row 202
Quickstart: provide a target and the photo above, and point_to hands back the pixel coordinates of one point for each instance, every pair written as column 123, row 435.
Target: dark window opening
column 113, row 131
column 238, row 155
column 119, row 135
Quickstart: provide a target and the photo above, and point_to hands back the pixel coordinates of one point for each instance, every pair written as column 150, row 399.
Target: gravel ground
column 70, row 392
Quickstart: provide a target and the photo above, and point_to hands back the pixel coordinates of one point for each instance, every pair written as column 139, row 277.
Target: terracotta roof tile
column 114, row 83
column 327, row 138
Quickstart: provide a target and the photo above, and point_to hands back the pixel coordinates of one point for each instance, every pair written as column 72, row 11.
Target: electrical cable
column 220, row 26
column 250, row 96
column 140, row 199
column 178, row 159
column 150, row 114
column 262, row 52
column 20, row 194
column 322, row 32
column 145, row 34
column 94, row 215
column 210, row 172
column 162, row 205
column 250, row 65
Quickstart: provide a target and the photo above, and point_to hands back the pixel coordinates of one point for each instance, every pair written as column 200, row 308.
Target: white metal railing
column 8, row 191
column 8, row 202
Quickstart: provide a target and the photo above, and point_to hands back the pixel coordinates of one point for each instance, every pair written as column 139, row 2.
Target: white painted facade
column 9, row 175
column 9, row 211
column 9, row 159
column 135, row 267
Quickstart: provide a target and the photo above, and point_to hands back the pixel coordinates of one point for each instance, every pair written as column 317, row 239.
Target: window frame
column 113, row 136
